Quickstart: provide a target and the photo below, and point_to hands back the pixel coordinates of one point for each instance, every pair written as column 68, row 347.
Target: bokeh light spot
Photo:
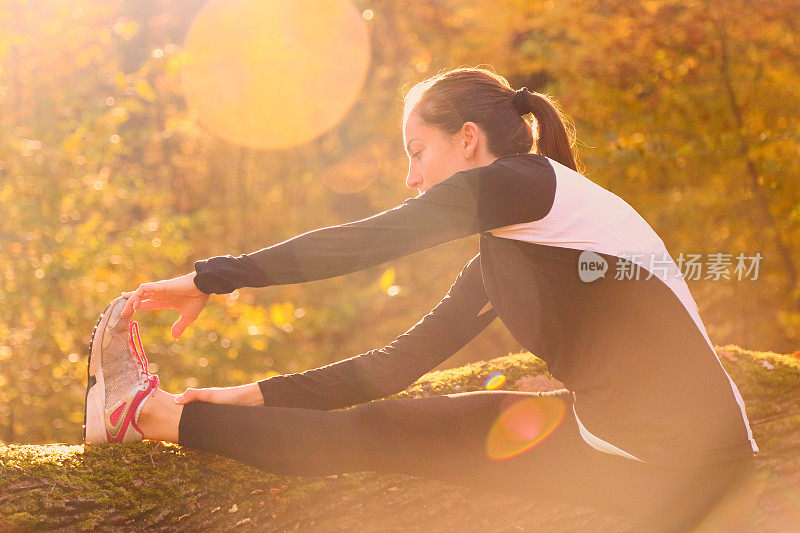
column 523, row 425
column 274, row 74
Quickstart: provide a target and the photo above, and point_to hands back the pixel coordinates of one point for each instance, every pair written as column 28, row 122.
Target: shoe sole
column 95, row 376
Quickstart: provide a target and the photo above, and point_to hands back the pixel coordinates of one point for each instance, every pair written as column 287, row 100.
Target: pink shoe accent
column 130, row 415
column 116, row 414
column 138, row 349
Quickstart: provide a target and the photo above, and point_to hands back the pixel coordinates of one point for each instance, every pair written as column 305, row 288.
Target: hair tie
column 521, row 101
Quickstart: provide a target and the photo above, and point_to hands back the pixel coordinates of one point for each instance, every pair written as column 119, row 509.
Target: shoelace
column 133, row 328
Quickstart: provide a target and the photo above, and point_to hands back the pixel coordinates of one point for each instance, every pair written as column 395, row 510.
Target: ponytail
column 555, row 133
column 451, row 98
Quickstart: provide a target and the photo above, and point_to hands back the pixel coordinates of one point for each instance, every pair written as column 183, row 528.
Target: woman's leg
column 161, row 414
column 494, row 440
column 160, row 417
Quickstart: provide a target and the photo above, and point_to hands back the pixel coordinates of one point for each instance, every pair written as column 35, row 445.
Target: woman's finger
column 135, row 299
column 185, row 397
column 154, row 305
column 129, row 305
column 180, row 325
column 191, row 395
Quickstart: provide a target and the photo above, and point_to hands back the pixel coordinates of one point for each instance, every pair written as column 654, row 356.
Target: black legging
column 446, row 437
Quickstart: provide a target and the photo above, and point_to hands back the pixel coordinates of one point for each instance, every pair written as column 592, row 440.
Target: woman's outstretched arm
column 455, row 321
column 508, row 191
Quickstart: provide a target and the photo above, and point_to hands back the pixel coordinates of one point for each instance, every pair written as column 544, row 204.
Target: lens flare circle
column 523, row 425
column 271, row 74
column 495, row 381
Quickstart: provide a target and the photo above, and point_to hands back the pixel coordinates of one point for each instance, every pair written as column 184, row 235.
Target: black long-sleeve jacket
column 576, row 275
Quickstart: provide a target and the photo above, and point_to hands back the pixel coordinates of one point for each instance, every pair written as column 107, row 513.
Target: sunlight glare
column 274, row 74
column 524, row 425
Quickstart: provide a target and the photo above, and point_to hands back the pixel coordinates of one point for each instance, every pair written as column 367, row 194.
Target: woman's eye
column 416, row 154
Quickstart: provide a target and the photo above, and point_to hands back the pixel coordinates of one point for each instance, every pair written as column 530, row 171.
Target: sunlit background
column 137, row 137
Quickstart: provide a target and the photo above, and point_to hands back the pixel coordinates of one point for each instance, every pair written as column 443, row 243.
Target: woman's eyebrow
column 408, row 144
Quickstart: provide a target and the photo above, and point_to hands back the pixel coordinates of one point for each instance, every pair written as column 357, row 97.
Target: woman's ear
column 469, row 138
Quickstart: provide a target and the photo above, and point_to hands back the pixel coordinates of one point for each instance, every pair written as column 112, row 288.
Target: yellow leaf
column 119, row 114
column 387, row 279
column 276, row 314
column 125, row 28
column 119, row 79
column 258, row 344
column 144, row 90
column 73, row 142
column 281, row 313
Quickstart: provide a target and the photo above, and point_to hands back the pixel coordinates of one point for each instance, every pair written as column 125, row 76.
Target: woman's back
column 625, row 335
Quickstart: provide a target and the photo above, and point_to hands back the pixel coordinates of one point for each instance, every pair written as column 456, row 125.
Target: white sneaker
column 118, row 383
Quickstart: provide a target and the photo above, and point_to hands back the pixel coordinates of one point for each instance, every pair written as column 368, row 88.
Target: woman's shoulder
column 529, row 158
column 524, row 163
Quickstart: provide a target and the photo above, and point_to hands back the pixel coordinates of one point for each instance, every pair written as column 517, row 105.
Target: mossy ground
column 161, row 486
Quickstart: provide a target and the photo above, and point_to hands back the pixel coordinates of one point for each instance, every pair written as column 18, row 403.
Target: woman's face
column 433, row 156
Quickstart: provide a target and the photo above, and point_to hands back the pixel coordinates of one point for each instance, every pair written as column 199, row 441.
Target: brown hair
column 451, row 98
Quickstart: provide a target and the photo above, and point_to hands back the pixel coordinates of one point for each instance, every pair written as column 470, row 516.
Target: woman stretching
column 650, row 424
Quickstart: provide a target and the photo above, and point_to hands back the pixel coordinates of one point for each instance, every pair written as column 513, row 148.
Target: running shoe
column 119, row 382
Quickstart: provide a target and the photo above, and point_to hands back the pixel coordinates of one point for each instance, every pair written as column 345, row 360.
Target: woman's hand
column 177, row 293
column 249, row 394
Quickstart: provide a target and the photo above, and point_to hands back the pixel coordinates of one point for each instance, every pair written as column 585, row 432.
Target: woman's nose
column 413, row 180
